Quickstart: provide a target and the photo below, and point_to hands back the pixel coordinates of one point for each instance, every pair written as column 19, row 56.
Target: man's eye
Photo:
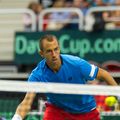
column 48, row 51
column 56, row 49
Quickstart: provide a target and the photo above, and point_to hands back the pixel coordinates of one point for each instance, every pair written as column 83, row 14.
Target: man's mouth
column 54, row 59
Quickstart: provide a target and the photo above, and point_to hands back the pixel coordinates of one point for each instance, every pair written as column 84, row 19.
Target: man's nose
column 53, row 53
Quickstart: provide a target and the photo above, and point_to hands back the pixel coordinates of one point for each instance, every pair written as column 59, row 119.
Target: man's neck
column 55, row 68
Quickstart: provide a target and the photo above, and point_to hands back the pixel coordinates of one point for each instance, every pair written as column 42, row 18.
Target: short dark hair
column 47, row 37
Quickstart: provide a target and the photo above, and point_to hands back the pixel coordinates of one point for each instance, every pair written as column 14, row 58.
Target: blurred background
column 89, row 29
column 86, row 28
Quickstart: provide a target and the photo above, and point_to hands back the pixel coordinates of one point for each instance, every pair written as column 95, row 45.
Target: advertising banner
column 97, row 46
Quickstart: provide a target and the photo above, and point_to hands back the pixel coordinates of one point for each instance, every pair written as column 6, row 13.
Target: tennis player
column 56, row 67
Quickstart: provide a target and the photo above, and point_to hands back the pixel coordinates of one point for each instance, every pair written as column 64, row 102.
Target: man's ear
column 41, row 53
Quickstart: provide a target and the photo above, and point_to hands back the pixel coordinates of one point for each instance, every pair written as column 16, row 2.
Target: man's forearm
column 104, row 75
column 24, row 107
column 109, row 79
column 21, row 111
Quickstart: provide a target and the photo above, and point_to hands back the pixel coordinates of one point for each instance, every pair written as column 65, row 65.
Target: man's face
column 51, row 52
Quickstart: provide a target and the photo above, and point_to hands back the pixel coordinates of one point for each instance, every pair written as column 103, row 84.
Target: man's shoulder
column 41, row 64
column 72, row 60
column 39, row 68
column 70, row 57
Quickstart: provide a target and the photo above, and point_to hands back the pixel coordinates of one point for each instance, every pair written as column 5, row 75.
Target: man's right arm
column 24, row 107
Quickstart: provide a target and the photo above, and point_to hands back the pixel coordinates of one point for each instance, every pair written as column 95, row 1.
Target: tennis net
column 12, row 93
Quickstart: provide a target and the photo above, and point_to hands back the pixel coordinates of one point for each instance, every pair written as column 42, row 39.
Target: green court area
column 8, row 116
column 8, row 107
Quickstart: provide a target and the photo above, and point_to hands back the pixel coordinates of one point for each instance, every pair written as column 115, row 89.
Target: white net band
column 40, row 87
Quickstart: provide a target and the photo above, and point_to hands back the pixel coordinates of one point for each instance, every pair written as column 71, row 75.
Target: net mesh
column 12, row 93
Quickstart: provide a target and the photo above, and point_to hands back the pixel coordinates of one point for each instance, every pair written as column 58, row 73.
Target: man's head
column 50, row 50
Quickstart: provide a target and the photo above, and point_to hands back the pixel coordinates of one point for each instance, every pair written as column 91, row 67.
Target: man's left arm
column 104, row 75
